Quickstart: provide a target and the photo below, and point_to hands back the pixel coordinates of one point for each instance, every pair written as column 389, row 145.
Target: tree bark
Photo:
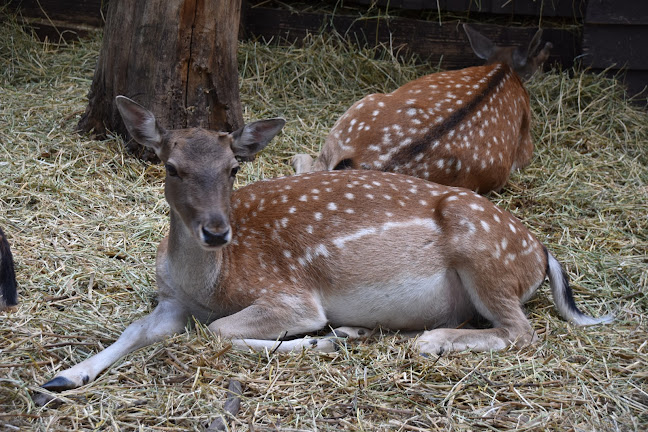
column 176, row 58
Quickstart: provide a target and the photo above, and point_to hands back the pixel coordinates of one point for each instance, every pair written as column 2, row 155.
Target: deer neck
column 196, row 269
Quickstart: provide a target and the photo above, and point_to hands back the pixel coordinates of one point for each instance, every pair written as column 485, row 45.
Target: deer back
column 467, row 128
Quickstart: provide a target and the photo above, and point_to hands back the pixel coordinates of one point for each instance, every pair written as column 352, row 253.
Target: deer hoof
column 59, row 384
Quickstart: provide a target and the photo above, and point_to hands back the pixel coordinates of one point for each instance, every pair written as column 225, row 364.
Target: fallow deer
column 8, row 292
column 358, row 249
column 468, row 127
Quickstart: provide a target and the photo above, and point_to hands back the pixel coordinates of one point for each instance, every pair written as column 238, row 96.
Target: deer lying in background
column 8, row 292
column 358, row 249
column 468, row 127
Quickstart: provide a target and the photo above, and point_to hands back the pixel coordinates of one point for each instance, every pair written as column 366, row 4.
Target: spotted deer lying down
column 353, row 250
column 8, row 292
column 468, row 127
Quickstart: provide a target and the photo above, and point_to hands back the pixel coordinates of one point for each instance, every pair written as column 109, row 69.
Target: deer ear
column 521, row 55
column 140, row 123
column 254, row 137
column 480, row 44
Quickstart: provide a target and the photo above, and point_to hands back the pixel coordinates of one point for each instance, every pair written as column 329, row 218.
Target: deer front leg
column 261, row 325
column 166, row 319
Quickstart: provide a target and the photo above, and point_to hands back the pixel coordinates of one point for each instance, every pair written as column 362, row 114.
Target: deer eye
column 234, row 171
column 171, row 170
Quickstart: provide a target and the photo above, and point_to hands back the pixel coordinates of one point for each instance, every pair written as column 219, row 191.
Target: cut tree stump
column 175, row 57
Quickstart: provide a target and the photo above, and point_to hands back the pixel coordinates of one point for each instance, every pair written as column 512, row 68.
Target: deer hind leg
column 440, row 341
column 501, row 307
column 165, row 320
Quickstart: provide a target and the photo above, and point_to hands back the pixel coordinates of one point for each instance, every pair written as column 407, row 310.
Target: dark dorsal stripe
column 408, row 153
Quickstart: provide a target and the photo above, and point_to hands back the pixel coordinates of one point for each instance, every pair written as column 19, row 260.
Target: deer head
column 200, row 167
column 523, row 59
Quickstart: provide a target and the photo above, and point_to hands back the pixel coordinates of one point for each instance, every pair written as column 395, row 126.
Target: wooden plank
column 445, row 44
column 566, row 9
column 79, row 12
column 617, row 12
column 623, row 46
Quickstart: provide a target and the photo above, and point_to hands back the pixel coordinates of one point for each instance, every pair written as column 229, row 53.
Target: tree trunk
column 176, row 58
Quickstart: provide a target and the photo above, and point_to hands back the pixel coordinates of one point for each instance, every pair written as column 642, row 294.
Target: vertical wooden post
column 175, row 57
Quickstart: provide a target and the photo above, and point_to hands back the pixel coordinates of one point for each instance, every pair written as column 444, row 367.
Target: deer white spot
column 512, row 228
column 287, row 253
column 469, row 225
column 476, row 207
column 509, row 258
column 370, row 196
column 331, row 206
column 497, row 218
column 309, row 229
column 284, row 222
column 303, row 198
column 375, row 113
column 485, row 226
column 318, row 216
column 349, row 211
column 348, row 195
column 292, row 210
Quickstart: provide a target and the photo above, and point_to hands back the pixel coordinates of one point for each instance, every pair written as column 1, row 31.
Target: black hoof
column 59, row 384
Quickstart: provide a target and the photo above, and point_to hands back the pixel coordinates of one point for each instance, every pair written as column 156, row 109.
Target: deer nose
column 215, row 239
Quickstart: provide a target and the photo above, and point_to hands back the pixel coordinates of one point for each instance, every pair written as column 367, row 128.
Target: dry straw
column 84, row 219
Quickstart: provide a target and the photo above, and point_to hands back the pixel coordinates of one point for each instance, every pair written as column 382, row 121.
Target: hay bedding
column 84, row 219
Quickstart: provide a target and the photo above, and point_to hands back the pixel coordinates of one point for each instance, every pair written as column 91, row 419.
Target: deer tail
column 564, row 298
